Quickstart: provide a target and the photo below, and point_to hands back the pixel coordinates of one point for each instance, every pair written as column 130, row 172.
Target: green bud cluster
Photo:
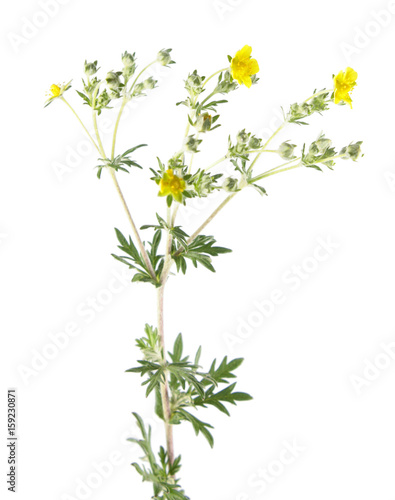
column 129, row 64
column 320, row 152
column 225, row 83
column 298, row 112
column 194, row 83
column 245, row 141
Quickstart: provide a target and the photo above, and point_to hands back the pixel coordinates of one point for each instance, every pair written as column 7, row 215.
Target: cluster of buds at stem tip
column 164, row 58
column 147, row 84
column 129, row 64
column 298, row 111
column 194, row 84
column 245, row 141
column 226, row 83
column 91, row 68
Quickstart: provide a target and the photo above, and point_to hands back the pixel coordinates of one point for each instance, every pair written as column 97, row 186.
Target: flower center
column 55, row 90
column 175, row 185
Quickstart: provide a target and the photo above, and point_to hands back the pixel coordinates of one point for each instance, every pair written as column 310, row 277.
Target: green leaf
column 200, row 250
column 198, row 425
column 178, row 348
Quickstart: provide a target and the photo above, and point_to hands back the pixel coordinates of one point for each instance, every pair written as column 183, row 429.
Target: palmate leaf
column 191, row 392
column 226, row 395
column 120, row 162
column 221, row 375
column 134, row 260
column 200, row 250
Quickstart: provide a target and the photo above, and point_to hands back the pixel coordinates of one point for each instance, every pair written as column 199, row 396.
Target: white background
column 57, row 236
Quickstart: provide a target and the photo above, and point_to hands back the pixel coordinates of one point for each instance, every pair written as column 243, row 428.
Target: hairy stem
column 114, row 138
column 134, row 228
column 318, row 93
column 119, row 191
column 124, row 102
column 264, row 146
column 82, row 124
column 208, row 220
column 164, row 387
column 223, row 158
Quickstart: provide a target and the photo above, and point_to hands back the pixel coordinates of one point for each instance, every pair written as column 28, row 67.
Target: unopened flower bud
column 90, row 68
column 242, row 137
column 164, row 57
column 128, row 59
column 254, row 143
column 286, row 150
column 323, row 144
column 191, row 144
column 193, row 83
column 138, row 88
column 113, row 80
column 149, row 83
column 230, row 184
column 203, row 123
column 103, row 99
column 352, row 151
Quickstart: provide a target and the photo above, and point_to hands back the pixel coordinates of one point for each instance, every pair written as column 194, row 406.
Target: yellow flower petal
column 253, row 67
column 350, row 76
column 244, row 53
column 247, row 81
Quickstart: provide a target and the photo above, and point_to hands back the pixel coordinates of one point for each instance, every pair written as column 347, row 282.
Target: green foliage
column 154, row 365
column 199, row 251
column 320, row 151
column 134, row 260
column 161, row 473
column 120, row 161
column 201, row 392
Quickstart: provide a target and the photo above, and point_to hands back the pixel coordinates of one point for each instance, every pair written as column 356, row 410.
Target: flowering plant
column 178, row 383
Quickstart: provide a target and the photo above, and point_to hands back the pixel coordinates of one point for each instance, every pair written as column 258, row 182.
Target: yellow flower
column 344, row 83
column 56, row 91
column 242, row 66
column 171, row 184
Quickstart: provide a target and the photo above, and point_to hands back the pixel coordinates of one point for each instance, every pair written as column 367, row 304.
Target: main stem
column 164, row 387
